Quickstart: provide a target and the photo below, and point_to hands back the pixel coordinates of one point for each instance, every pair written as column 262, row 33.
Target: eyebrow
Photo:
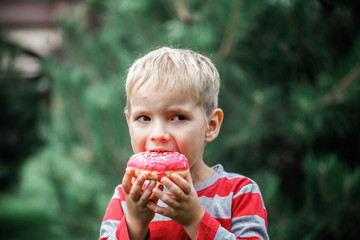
column 139, row 111
column 177, row 109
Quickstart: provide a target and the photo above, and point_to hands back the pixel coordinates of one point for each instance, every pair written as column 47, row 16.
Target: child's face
column 166, row 120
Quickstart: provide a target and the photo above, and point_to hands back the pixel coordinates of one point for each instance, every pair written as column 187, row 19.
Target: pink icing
column 159, row 162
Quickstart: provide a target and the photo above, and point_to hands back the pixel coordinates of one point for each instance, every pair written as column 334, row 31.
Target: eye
column 179, row 118
column 143, row 118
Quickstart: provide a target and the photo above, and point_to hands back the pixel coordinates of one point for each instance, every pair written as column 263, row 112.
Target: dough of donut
column 156, row 165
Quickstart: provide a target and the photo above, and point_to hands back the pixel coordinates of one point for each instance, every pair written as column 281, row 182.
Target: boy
column 172, row 106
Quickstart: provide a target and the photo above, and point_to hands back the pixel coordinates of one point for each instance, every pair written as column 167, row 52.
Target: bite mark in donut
column 156, row 165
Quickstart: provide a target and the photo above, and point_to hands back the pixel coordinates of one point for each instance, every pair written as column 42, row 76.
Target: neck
column 200, row 173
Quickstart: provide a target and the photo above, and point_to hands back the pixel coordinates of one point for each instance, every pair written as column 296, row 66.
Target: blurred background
column 290, row 72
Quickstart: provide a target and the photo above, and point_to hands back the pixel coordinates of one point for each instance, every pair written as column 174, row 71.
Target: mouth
column 160, row 150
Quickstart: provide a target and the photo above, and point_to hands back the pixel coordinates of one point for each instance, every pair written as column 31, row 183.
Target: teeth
column 159, row 151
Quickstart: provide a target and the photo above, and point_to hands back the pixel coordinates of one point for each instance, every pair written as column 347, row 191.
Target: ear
column 127, row 116
column 214, row 124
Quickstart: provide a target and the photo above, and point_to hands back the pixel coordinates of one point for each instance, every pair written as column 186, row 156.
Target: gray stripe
column 223, row 234
column 218, row 207
column 249, row 226
column 220, row 173
column 249, row 188
column 116, row 194
column 123, row 203
column 159, row 217
column 245, row 227
column 124, row 206
column 108, row 228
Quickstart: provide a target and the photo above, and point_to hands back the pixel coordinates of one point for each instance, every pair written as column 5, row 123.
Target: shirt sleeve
column 248, row 218
column 113, row 226
column 210, row 228
column 249, row 215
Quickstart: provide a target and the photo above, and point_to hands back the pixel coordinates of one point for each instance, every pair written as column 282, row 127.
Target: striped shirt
column 233, row 205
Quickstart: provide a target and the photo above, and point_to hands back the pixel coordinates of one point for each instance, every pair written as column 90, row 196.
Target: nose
column 159, row 132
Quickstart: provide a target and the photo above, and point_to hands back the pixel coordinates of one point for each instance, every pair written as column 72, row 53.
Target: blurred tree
column 290, row 91
column 20, row 107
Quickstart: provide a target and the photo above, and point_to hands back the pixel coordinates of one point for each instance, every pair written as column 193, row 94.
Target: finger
column 153, row 197
column 137, row 187
column 172, row 187
column 184, row 185
column 188, row 178
column 126, row 181
column 157, row 209
column 171, row 202
column 147, row 192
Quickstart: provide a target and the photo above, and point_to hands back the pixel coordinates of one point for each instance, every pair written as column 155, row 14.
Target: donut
column 156, row 165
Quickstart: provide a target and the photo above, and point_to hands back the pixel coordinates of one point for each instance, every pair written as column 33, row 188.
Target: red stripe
column 114, row 210
column 225, row 223
column 248, row 204
column 122, row 231
column 121, row 192
column 161, row 230
column 223, row 186
column 208, row 227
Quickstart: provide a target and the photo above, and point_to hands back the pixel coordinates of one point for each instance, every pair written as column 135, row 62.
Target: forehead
column 147, row 98
column 149, row 89
column 174, row 85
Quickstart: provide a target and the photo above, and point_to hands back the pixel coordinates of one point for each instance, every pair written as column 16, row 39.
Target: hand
column 138, row 216
column 183, row 206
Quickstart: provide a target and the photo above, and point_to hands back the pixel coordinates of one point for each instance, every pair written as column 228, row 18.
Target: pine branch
column 303, row 48
column 333, row 97
column 182, row 10
column 79, row 120
column 230, row 33
column 204, row 12
column 186, row 15
column 296, row 28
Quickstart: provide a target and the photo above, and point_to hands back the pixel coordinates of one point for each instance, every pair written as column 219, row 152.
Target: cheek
column 192, row 141
column 136, row 137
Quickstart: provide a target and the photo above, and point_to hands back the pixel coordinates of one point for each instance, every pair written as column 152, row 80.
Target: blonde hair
column 170, row 67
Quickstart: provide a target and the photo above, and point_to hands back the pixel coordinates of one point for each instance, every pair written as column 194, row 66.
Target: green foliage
column 332, row 200
column 290, row 92
column 20, row 107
